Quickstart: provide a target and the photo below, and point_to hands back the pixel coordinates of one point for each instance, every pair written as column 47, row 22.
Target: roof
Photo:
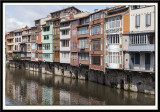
column 97, row 11
column 65, row 9
column 116, row 7
column 121, row 13
column 42, row 18
column 53, row 19
column 26, row 29
column 77, row 16
column 45, row 25
column 18, row 30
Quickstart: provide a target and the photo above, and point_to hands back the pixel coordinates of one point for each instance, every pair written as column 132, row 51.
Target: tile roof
column 65, row 9
column 116, row 7
column 121, row 13
column 76, row 16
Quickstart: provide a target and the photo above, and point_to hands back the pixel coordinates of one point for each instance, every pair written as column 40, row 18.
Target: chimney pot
column 95, row 10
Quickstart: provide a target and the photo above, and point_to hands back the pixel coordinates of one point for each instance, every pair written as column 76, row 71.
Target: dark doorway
column 86, row 76
column 131, row 64
column 147, row 61
column 122, row 84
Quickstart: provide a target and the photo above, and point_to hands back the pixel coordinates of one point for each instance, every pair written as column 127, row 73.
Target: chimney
column 95, row 10
column 26, row 26
column 71, row 16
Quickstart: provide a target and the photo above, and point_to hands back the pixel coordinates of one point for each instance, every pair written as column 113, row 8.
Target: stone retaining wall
column 120, row 79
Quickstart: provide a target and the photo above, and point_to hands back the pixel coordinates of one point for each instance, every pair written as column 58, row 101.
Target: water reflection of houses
column 33, row 89
column 65, row 97
column 47, row 95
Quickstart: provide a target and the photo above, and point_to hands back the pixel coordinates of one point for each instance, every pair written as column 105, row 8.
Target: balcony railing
column 10, row 43
column 23, row 50
column 139, row 47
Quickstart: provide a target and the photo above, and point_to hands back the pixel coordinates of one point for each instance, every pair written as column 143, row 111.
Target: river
column 24, row 87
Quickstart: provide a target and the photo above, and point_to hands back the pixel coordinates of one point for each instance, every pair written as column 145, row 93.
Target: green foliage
column 113, row 85
column 7, row 64
column 15, row 56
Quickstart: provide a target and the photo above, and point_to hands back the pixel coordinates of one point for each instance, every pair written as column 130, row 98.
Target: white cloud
column 20, row 16
column 13, row 23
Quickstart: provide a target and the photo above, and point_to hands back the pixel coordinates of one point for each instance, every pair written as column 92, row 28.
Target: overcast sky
column 18, row 16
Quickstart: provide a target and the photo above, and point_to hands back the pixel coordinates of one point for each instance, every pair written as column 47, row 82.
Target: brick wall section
column 126, row 23
column 39, row 41
column 73, row 39
column 86, row 50
column 101, row 52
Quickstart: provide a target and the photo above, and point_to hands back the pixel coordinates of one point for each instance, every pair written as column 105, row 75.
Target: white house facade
column 140, row 41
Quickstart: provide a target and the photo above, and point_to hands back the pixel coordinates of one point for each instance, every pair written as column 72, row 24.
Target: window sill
column 96, row 64
column 83, row 60
column 96, row 34
column 148, row 25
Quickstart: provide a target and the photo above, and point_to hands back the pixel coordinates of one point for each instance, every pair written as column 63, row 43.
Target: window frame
column 137, row 62
column 147, row 20
column 136, row 25
column 95, row 59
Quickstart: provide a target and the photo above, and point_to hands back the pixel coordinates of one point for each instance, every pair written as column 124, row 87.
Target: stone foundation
column 120, row 79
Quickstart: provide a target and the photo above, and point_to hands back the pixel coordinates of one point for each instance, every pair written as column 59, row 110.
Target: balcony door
column 147, row 61
column 131, row 64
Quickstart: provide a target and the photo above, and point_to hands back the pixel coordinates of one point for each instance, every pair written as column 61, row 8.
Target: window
column 84, row 21
column 40, row 55
column 65, row 43
column 56, row 31
column 137, row 20
column 19, row 39
column 28, row 47
column 96, row 29
column 65, row 55
column 74, row 33
column 113, row 39
column 49, row 23
column 46, row 28
column 74, row 56
column 65, row 24
column 96, row 60
column 65, row 32
column 114, row 22
column 82, row 30
column 137, row 58
column 114, row 57
column 46, row 46
column 74, row 45
column 96, row 44
column 74, row 22
column 138, row 39
column 16, row 47
column 84, row 56
column 83, row 43
column 33, row 55
column 96, row 16
column 33, row 46
column 18, row 34
column 148, row 19
column 28, row 54
column 46, row 56
column 37, row 33
column 46, row 37
column 135, row 6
